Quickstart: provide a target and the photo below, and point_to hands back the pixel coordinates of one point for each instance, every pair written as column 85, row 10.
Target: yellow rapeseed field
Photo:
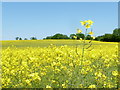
column 59, row 64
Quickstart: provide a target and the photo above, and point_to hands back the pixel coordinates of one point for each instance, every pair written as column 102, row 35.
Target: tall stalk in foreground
column 87, row 24
column 85, row 45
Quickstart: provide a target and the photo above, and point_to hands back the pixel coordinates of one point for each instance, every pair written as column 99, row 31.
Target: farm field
column 59, row 64
column 45, row 43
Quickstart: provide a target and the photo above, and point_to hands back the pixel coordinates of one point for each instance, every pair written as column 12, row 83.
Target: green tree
column 88, row 37
column 107, row 37
column 48, row 37
column 25, row 39
column 80, row 35
column 20, row 38
column 115, row 38
column 59, row 36
column 116, row 32
column 99, row 38
column 33, row 38
column 65, row 37
column 17, row 38
column 71, row 36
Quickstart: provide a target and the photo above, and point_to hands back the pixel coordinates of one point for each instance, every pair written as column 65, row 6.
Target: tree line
column 19, row 38
column 114, row 37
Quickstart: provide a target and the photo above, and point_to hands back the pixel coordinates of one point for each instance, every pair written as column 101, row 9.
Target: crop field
column 59, row 64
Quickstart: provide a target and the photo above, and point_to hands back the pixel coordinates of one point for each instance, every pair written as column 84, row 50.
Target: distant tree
column 59, row 36
column 99, row 38
column 20, row 38
column 17, row 38
column 48, row 37
column 33, row 38
column 116, row 32
column 25, row 39
column 107, row 37
column 72, row 35
column 65, row 37
column 88, row 37
column 115, row 38
column 80, row 35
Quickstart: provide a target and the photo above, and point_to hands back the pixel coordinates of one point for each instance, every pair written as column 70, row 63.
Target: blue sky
column 41, row 19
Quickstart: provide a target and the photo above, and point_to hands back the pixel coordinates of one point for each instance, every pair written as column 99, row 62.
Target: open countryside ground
column 45, row 43
column 59, row 64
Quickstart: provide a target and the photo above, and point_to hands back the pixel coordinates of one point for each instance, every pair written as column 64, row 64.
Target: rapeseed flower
column 87, row 26
column 83, row 22
column 79, row 31
column 90, row 22
column 93, row 37
column 48, row 86
column 75, row 37
column 91, row 33
column 92, row 86
column 80, row 38
column 115, row 73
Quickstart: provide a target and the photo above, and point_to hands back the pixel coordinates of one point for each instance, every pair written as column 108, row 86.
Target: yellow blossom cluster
column 60, row 67
column 87, row 24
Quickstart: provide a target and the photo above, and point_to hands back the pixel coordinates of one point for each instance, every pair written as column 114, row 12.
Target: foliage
column 114, row 37
column 80, row 35
column 17, row 38
column 58, row 36
column 25, row 39
column 108, row 38
column 48, row 37
column 99, row 38
column 20, row 38
column 71, row 36
column 88, row 37
column 116, row 32
column 33, row 38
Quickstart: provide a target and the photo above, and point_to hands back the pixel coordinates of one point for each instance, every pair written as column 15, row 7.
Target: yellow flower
column 83, row 71
column 81, row 86
column 83, row 22
column 93, row 37
column 109, row 85
column 87, row 22
column 91, row 33
column 71, row 64
column 92, row 86
column 104, row 77
column 75, row 37
column 48, row 86
column 43, row 73
column 35, row 76
column 53, row 81
column 28, row 82
column 80, row 38
column 90, row 22
column 24, row 63
column 63, row 85
column 79, row 31
column 115, row 73
column 87, row 26
column 98, row 74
